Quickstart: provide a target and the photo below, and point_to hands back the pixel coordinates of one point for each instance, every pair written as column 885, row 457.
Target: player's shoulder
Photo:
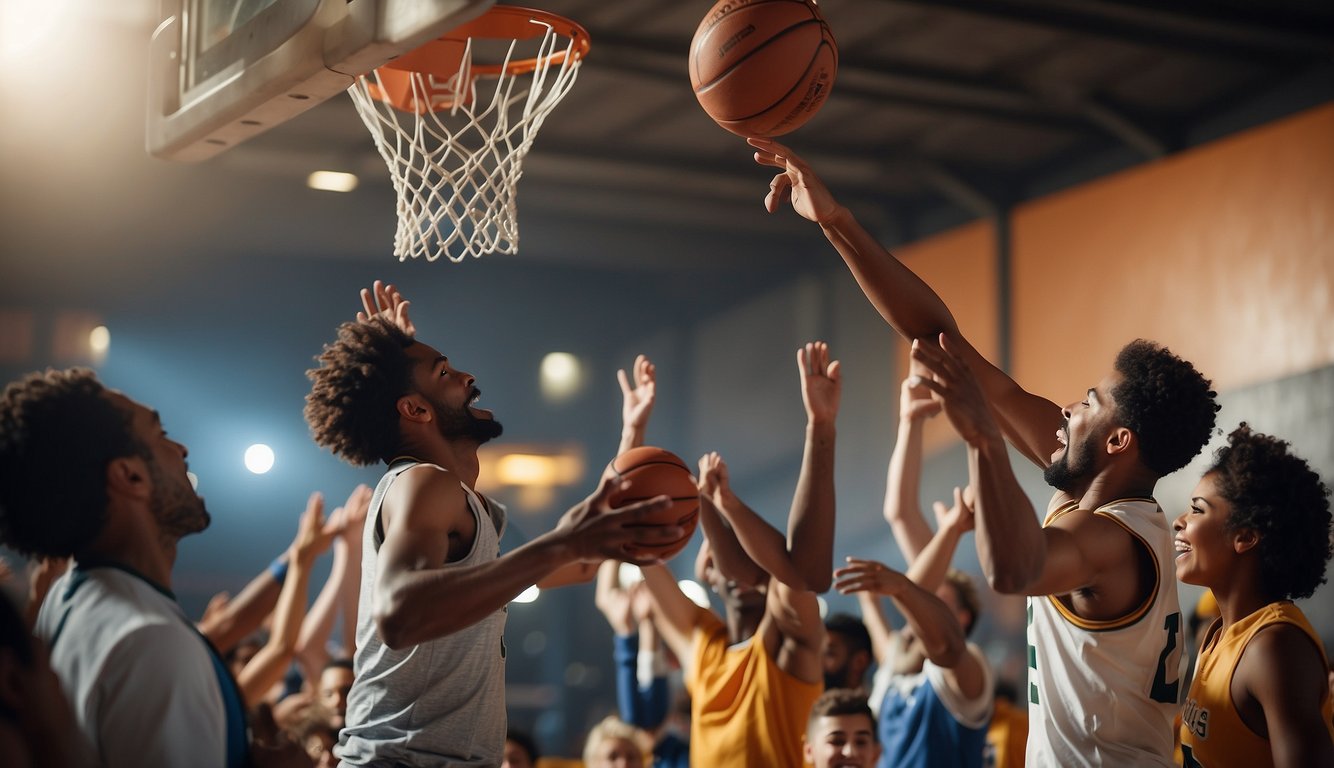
column 426, row 495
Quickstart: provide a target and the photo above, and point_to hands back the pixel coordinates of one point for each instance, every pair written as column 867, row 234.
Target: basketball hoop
column 454, row 148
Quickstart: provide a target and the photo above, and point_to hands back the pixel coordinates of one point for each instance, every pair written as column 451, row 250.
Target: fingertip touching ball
column 762, row 67
column 649, row 472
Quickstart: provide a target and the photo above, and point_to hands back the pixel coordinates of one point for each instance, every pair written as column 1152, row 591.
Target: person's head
column 520, row 750
column 736, row 596
column 959, row 592
column 1258, row 511
column 847, row 651
column 71, row 450
column 1154, row 409
column 614, row 743
column 377, row 392
column 335, row 683
column 841, row 731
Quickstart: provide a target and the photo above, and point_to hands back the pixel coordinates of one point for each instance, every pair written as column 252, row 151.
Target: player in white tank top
column 1106, row 692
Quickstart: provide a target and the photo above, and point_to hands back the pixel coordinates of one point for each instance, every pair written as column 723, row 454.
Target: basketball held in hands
column 762, row 68
column 649, row 472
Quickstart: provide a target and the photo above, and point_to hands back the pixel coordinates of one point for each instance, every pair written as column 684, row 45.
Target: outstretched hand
column 955, row 386
column 795, row 182
column 385, row 301
column 638, row 391
column 915, row 400
column 959, row 516
column 869, row 576
column 821, row 382
column 310, row 540
column 712, row 475
column 596, row 531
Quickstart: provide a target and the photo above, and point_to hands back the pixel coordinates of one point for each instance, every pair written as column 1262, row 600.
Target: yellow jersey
column 744, row 710
column 1212, row 732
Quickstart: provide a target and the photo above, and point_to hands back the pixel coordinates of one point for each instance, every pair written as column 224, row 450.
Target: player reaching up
column 1104, row 628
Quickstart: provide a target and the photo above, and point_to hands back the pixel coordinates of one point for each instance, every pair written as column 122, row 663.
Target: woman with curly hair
column 1257, row 534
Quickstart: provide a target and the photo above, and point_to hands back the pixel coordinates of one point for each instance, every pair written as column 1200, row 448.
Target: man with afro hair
column 1104, row 625
column 429, row 685
column 1257, row 534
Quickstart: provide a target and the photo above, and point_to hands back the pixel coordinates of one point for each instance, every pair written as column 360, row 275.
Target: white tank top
column 438, row 703
column 1106, row 692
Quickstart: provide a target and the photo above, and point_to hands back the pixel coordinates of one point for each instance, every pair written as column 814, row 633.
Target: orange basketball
column 651, row 472
column 762, row 67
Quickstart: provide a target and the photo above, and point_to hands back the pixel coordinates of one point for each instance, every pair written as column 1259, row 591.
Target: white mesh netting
column 456, row 162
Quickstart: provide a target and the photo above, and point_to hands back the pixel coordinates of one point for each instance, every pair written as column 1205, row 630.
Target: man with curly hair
column 429, row 665
column 1257, row 534
column 88, row 473
column 1104, row 626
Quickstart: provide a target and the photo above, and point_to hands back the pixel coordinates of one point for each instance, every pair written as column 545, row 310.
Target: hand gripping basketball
column 600, row 527
column 648, row 471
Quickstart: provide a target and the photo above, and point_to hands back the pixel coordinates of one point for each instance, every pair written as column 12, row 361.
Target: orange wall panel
column 1224, row 253
column 961, row 266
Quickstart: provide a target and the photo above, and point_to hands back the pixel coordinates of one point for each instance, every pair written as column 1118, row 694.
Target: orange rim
column 441, row 57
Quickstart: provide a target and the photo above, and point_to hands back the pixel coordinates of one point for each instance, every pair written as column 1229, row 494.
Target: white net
column 455, row 162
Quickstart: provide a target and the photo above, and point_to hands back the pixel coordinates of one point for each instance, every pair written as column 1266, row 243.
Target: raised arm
column 642, row 703
column 673, row 613
column 729, row 557
column 268, row 665
column 415, row 599
column 761, row 544
column 1018, row 555
column 385, row 301
column 903, row 479
column 345, row 530
column 637, row 397
column 877, row 624
column 931, row 620
column 928, row 571
column 810, row 525
column 907, row 303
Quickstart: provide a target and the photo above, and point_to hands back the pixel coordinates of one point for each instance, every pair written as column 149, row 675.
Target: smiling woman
column 1257, row 534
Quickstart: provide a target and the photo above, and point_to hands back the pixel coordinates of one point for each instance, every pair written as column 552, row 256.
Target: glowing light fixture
column 561, row 375
column 332, row 181
column 99, row 339
column 259, row 458
column 528, row 595
column 529, row 469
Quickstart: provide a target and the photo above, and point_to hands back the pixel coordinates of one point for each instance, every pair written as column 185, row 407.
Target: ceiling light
column 561, row 375
column 99, row 339
column 332, row 181
column 259, row 458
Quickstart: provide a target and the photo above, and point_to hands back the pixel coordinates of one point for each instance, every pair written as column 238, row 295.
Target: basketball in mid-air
column 649, row 472
column 762, row 67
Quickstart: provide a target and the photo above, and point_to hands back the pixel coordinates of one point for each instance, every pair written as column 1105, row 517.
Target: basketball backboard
column 222, row 71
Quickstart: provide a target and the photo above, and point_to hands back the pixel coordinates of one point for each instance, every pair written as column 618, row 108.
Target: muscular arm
column 1282, row 670
column 902, row 298
column 1020, row 556
column 418, row 597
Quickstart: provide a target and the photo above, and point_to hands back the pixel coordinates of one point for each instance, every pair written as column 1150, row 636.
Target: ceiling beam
column 918, row 87
column 1216, row 33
